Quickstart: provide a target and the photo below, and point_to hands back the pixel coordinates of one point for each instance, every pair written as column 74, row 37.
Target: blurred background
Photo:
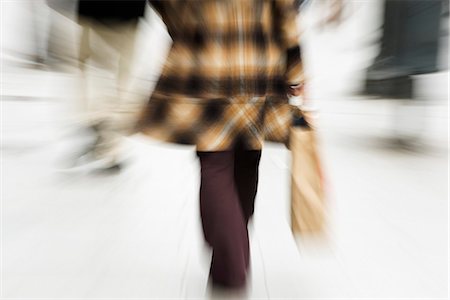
column 378, row 81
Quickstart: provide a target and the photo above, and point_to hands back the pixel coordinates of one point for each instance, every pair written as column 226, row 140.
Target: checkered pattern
column 227, row 73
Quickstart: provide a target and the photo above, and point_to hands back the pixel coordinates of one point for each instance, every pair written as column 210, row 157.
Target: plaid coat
column 226, row 76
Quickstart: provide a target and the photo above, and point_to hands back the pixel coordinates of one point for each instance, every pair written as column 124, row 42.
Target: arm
column 286, row 15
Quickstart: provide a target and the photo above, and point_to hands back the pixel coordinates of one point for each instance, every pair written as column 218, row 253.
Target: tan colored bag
column 308, row 207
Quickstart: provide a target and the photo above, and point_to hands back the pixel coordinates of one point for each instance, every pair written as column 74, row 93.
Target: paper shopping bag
column 308, row 206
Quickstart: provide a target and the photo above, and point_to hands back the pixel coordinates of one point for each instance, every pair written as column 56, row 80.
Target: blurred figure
column 223, row 89
column 409, row 46
column 109, row 30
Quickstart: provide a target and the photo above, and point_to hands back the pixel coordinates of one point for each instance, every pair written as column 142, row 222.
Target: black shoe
column 117, row 167
column 111, row 169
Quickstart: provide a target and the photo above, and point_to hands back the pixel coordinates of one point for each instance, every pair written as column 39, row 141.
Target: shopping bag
column 308, row 205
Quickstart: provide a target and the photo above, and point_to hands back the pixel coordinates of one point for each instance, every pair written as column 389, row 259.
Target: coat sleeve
column 286, row 12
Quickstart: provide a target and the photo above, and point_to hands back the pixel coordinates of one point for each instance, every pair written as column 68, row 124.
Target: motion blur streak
column 377, row 79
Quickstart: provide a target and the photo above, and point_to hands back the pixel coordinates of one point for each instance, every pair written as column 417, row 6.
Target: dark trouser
column 229, row 181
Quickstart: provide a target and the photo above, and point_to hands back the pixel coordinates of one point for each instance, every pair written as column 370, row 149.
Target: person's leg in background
column 223, row 222
column 96, row 90
column 115, row 103
column 81, row 110
column 105, row 58
column 125, row 113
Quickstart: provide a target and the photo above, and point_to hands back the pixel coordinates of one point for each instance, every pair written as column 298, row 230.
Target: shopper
column 224, row 88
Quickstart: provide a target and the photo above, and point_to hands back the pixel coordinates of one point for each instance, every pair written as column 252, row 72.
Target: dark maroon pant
column 228, row 187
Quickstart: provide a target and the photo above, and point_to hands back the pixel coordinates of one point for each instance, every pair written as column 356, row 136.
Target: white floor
column 137, row 234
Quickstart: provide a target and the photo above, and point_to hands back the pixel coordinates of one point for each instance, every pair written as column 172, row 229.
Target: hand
column 296, row 90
